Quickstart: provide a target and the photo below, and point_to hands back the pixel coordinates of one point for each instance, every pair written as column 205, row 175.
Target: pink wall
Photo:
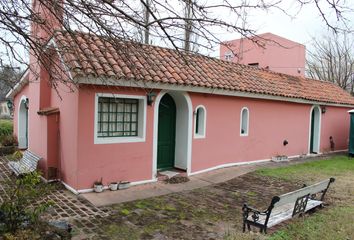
column 112, row 162
column 335, row 123
column 43, row 130
column 67, row 99
column 271, row 122
column 280, row 54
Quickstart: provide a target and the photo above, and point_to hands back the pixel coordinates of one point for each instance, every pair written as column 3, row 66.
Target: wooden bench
column 27, row 164
column 286, row 206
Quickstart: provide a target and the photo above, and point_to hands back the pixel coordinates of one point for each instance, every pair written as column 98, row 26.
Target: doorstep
column 167, row 174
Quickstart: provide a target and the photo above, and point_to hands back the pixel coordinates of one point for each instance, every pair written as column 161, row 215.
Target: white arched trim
column 244, row 121
column 201, row 116
column 187, row 145
column 22, row 123
column 317, row 129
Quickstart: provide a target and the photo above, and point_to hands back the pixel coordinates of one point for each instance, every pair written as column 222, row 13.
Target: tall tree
column 8, row 77
column 331, row 58
column 117, row 20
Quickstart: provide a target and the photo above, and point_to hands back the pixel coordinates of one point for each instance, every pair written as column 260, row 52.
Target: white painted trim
column 198, row 135
column 226, row 165
column 173, row 87
column 23, row 98
column 143, row 182
column 71, row 189
column 88, row 190
column 237, row 164
column 141, row 117
column 155, row 131
column 337, row 151
column 18, row 86
column 54, row 44
column 319, row 131
column 248, row 122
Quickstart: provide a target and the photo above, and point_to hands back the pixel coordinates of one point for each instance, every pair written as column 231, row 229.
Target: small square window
column 119, row 118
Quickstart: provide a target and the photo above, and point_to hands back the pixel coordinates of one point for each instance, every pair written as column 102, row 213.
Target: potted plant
column 113, row 186
column 123, row 185
column 98, row 186
column 280, row 158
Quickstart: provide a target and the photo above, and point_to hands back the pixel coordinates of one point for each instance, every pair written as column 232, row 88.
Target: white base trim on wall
column 337, row 151
column 227, row 165
column 88, row 190
column 236, row 164
column 71, row 189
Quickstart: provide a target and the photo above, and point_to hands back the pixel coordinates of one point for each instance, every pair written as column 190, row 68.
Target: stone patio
column 86, row 218
column 67, row 206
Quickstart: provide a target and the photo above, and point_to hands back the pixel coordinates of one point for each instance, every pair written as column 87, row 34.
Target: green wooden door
column 312, row 132
column 351, row 135
column 166, row 133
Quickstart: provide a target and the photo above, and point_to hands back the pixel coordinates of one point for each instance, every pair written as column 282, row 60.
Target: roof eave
column 19, row 85
column 188, row 88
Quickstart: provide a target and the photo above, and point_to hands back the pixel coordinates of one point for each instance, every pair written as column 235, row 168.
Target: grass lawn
column 334, row 222
column 6, row 127
column 214, row 212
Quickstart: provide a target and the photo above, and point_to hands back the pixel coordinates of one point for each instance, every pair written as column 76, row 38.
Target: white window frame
column 203, row 132
column 141, row 120
column 248, row 122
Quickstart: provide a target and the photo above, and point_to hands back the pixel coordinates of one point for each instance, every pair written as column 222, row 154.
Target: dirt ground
column 213, row 212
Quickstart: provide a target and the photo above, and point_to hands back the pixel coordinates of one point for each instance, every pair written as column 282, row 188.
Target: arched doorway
column 166, row 137
column 176, row 128
column 23, row 123
column 315, row 130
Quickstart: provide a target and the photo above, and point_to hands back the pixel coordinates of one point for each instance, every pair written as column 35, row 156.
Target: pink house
column 267, row 51
column 121, row 110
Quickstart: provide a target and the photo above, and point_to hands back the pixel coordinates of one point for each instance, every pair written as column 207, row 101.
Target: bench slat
column 292, row 196
column 27, row 164
column 285, row 212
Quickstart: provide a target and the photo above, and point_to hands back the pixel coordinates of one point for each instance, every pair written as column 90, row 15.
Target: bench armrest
column 253, row 212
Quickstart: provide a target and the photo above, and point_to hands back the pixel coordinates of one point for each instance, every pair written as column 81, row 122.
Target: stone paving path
column 85, row 217
column 67, row 206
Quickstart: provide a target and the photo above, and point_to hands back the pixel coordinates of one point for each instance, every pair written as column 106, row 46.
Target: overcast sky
column 299, row 25
column 303, row 25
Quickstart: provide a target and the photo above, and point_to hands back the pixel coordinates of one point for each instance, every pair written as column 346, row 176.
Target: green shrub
column 17, row 155
column 8, row 140
column 21, row 208
column 6, row 127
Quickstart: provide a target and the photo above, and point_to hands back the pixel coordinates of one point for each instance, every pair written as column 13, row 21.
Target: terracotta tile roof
column 91, row 55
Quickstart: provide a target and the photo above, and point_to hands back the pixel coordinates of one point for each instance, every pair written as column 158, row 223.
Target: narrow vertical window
column 200, row 122
column 244, row 122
